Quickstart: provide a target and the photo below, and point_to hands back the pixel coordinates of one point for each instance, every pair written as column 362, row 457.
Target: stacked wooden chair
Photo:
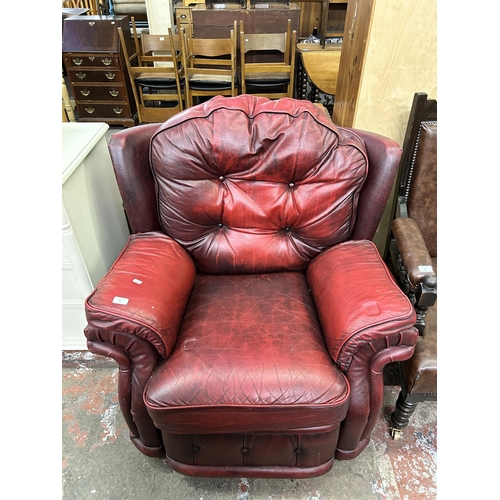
column 268, row 62
column 210, row 66
column 156, row 73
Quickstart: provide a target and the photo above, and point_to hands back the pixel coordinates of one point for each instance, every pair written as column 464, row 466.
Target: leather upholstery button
column 287, row 229
column 221, row 178
column 291, row 185
column 196, row 448
column 220, row 225
column 244, row 450
column 298, row 451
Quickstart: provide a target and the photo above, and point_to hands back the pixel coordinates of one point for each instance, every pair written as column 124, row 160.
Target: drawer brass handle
column 117, row 110
column 113, row 92
column 85, row 92
column 107, row 61
column 91, row 23
column 183, row 16
column 81, row 75
column 91, row 58
column 89, row 110
column 78, row 61
column 110, row 76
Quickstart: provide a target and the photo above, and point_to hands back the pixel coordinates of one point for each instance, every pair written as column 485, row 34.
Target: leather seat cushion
column 420, row 371
column 206, row 84
column 157, row 82
column 267, row 82
column 250, row 357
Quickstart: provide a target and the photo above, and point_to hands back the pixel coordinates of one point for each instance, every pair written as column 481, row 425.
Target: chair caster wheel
column 395, row 433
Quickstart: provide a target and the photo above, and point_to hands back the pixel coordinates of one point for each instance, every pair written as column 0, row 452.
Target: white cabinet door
column 94, row 227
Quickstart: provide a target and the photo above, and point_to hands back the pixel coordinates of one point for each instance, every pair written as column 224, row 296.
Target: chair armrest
column 134, row 315
column 357, row 300
column 145, row 292
column 367, row 322
column 414, row 254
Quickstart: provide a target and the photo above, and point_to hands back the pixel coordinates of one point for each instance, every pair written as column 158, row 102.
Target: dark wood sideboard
column 201, row 21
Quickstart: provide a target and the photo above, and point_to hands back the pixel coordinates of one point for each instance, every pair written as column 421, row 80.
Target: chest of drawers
column 96, row 69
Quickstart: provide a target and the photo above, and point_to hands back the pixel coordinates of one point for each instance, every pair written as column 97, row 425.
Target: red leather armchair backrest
column 130, row 149
column 253, row 185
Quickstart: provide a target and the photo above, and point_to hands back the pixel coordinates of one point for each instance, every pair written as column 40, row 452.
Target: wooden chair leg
column 67, row 103
column 401, row 415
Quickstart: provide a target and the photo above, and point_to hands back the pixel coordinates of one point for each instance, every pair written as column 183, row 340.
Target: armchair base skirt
column 251, row 455
column 250, row 471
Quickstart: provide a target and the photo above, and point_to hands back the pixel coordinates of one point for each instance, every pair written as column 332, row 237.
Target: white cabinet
column 94, row 227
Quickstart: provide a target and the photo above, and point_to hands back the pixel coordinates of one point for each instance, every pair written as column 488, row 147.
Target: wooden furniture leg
column 68, row 108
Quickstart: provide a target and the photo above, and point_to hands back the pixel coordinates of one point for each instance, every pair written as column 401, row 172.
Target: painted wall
column 401, row 59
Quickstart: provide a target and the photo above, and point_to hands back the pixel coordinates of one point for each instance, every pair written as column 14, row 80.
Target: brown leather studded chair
column 250, row 314
column 413, row 255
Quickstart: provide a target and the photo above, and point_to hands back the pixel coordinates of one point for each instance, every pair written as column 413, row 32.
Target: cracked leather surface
column 250, row 354
column 154, row 275
column 246, row 188
column 357, row 298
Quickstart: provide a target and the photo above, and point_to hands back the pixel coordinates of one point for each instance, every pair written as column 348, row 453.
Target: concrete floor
column 100, row 462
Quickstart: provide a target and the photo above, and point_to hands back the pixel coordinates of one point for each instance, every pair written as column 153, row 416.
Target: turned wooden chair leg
column 401, row 415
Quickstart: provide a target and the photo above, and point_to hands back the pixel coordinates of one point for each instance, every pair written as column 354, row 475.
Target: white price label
column 120, row 300
column 425, row 269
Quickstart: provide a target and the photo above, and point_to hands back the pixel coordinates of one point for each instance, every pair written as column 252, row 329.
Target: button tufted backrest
column 248, row 185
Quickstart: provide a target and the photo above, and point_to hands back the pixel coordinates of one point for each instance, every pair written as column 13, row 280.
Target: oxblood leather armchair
column 250, row 314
